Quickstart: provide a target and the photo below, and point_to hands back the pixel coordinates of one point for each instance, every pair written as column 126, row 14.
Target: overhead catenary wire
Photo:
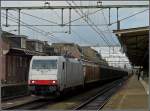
column 121, row 19
column 39, row 18
column 33, row 28
column 15, row 18
column 88, row 15
column 76, row 32
column 98, row 25
column 129, row 16
column 91, row 26
column 108, row 28
column 83, row 16
column 101, row 33
column 79, row 36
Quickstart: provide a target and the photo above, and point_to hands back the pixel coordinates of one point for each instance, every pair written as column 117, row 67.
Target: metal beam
column 119, row 61
column 19, row 21
column 118, row 22
column 131, row 30
column 70, row 21
column 75, row 7
column 115, row 57
column 62, row 17
column 109, row 16
column 6, row 17
column 84, row 25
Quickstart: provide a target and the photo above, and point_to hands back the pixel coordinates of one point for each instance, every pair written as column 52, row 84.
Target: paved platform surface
column 144, row 82
column 17, row 101
column 132, row 96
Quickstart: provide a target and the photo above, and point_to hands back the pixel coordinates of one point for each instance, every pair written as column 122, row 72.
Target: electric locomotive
column 54, row 74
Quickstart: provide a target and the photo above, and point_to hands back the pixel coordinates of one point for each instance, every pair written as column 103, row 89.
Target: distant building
column 15, row 41
column 14, row 62
column 92, row 55
column 49, row 49
column 67, row 49
column 15, row 58
column 76, row 51
column 35, row 45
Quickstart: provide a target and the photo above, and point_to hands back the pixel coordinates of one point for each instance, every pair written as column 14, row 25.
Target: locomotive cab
column 43, row 75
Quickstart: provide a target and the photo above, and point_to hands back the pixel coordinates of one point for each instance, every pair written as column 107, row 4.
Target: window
column 20, row 61
column 44, row 64
column 63, row 65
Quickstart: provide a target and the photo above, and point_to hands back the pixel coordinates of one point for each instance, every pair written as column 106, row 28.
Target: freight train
column 56, row 74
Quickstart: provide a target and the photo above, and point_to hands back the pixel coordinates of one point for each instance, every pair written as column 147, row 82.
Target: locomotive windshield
column 44, row 64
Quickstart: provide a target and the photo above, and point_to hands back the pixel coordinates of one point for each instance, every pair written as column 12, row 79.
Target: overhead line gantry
column 75, row 7
column 69, row 8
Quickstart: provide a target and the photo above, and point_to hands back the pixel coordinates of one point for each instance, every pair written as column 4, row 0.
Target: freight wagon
column 91, row 71
column 95, row 72
column 110, row 73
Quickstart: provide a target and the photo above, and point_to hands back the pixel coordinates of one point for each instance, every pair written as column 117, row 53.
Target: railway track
column 98, row 101
column 35, row 104
column 13, row 97
column 94, row 103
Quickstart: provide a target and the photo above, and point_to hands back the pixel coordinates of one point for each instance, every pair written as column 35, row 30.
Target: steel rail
column 33, row 104
column 74, row 7
column 13, row 97
column 20, row 105
column 107, row 89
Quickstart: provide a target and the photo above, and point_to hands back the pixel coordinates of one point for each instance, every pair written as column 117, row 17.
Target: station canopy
column 134, row 42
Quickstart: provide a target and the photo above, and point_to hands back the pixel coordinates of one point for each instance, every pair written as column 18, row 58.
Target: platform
column 132, row 96
column 13, row 90
column 144, row 82
column 17, row 101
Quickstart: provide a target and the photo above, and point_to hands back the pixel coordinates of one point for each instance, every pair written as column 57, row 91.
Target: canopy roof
column 134, row 42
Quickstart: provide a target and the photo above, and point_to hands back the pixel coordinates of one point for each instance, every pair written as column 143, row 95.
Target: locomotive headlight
column 54, row 81
column 32, row 81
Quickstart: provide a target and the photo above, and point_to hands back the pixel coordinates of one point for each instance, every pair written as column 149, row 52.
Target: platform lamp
column 60, row 32
column 46, row 3
column 57, row 32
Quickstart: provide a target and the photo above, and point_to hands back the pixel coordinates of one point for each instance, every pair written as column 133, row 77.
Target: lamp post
column 1, row 55
column 0, row 21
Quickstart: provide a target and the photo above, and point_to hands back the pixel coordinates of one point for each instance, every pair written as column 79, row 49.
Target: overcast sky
column 79, row 34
